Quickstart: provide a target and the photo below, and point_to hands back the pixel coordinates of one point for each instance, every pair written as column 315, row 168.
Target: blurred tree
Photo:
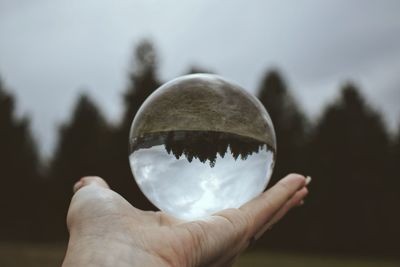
column 392, row 199
column 81, row 150
column 142, row 82
column 198, row 69
column 349, row 157
column 289, row 122
column 291, row 128
column 397, row 143
column 19, row 172
column 396, row 152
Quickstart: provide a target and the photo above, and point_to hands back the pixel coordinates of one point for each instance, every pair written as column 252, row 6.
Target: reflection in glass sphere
column 200, row 144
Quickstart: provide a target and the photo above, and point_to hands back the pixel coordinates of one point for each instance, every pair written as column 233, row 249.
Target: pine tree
column 291, row 128
column 396, row 151
column 289, row 122
column 81, row 151
column 392, row 199
column 19, row 172
column 198, row 69
column 142, row 82
column 349, row 156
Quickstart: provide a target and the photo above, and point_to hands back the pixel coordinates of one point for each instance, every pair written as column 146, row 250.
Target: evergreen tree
column 392, row 200
column 397, row 141
column 396, row 152
column 289, row 122
column 198, row 69
column 142, row 82
column 291, row 128
column 349, row 156
column 81, row 151
column 18, row 171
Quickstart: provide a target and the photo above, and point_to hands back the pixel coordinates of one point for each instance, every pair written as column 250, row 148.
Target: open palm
column 105, row 230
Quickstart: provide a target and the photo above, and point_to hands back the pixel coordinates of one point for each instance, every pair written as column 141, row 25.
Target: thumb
column 89, row 180
column 91, row 196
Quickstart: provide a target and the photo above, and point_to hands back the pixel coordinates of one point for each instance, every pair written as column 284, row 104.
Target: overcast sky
column 52, row 49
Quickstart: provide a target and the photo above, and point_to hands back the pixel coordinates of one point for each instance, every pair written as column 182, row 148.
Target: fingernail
column 301, row 203
column 308, row 180
column 77, row 185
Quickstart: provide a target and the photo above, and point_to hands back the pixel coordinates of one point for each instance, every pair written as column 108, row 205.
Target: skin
column 105, row 230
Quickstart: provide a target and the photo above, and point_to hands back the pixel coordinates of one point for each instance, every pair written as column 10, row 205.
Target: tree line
column 348, row 151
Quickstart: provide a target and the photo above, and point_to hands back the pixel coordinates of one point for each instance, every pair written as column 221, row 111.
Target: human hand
column 105, row 230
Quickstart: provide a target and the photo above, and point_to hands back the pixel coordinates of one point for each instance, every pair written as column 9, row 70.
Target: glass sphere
column 200, row 144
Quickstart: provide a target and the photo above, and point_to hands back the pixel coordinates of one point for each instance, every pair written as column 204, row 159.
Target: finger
column 231, row 229
column 263, row 208
column 90, row 180
column 293, row 202
column 296, row 200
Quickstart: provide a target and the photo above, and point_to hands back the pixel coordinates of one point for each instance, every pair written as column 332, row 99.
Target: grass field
column 34, row 255
column 258, row 259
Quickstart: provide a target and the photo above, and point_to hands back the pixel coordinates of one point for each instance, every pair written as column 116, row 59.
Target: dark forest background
column 354, row 202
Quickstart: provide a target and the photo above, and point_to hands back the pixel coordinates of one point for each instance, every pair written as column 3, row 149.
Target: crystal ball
column 200, row 144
